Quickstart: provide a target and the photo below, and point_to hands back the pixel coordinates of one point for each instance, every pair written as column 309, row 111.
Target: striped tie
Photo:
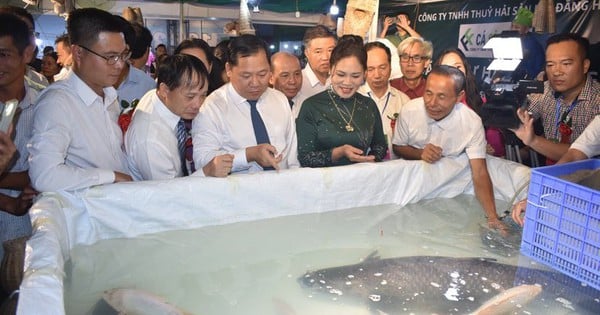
column 181, row 138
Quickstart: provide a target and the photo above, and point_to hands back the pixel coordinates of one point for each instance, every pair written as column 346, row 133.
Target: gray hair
column 449, row 71
column 427, row 46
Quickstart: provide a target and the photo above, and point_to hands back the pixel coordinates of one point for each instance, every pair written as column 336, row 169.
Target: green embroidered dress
column 321, row 127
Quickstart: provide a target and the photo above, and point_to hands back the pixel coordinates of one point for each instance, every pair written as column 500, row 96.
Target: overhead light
column 256, row 9
column 297, row 14
column 334, row 9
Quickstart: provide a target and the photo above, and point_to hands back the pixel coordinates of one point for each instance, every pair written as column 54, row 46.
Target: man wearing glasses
column 415, row 57
column 76, row 141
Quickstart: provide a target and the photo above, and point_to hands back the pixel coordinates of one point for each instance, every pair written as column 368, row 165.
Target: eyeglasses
column 112, row 59
column 416, row 58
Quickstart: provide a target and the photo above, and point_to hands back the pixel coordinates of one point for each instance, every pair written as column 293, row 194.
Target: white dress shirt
column 135, row 85
column 224, row 126
column 298, row 100
column 76, row 141
column 62, row 74
column 589, row 141
column 151, row 141
column 460, row 131
column 311, row 84
column 388, row 104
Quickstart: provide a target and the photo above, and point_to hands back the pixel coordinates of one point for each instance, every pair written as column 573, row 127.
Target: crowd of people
column 204, row 111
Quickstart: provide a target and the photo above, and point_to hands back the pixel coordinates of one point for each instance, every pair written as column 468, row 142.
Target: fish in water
column 442, row 285
column 134, row 302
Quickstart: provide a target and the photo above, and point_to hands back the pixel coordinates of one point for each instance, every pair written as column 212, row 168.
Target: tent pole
column 181, row 24
column 372, row 33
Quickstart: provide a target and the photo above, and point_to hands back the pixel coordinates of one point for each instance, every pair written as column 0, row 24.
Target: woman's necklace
column 349, row 127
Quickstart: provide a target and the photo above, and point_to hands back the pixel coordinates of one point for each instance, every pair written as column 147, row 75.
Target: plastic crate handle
column 541, row 200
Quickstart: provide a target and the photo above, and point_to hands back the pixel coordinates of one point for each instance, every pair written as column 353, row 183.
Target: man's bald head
column 287, row 73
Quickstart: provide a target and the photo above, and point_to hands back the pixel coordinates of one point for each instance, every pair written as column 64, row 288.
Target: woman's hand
column 351, row 153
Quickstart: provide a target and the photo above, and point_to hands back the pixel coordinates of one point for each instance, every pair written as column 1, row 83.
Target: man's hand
column 219, row 166
column 403, row 23
column 431, row 153
column 496, row 224
column 351, row 153
column 122, row 177
column 525, row 131
column 518, row 210
column 265, row 155
column 387, row 22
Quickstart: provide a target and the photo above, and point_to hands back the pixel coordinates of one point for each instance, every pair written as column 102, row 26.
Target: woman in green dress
column 340, row 126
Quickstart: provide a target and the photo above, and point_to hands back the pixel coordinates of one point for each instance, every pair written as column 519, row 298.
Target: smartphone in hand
column 8, row 112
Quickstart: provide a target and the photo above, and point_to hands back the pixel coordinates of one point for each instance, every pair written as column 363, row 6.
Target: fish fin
column 508, row 300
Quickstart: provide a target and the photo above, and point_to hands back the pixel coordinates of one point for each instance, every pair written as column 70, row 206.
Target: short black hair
column 14, row 27
column 181, row 70
column 84, row 25
column 244, row 46
column 21, row 13
column 318, row 31
column 582, row 42
column 143, row 40
column 195, row 43
column 53, row 55
column 349, row 46
column 128, row 31
column 373, row 45
column 449, row 71
column 64, row 38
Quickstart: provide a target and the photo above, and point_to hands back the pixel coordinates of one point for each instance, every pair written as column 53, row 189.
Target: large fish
column 445, row 285
column 134, row 302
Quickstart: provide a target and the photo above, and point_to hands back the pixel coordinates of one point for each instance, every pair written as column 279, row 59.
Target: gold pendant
column 349, row 128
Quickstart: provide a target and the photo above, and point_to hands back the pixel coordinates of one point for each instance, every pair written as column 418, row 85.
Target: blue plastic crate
column 562, row 222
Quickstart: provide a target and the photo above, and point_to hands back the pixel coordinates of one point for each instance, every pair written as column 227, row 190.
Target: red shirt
column 418, row 91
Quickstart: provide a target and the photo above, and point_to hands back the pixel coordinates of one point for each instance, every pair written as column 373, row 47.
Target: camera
column 504, row 96
column 503, row 100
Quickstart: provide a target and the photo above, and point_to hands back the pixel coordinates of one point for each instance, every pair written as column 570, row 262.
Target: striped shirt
column 587, row 106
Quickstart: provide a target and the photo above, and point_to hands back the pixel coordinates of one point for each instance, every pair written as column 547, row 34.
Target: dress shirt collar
column 164, row 112
column 87, row 94
column 446, row 122
column 367, row 91
column 30, row 97
column 312, row 77
column 237, row 98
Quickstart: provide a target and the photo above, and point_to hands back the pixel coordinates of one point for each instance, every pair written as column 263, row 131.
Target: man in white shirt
column 318, row 45
column 287, row 78
column 245, row 117
column 388, row 99
column 152, row 141
column 65, row 58
column 438, row 125
column 76, row 141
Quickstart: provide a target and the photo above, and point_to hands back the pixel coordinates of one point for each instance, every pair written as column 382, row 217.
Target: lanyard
column 386, row 101
column 558, row 115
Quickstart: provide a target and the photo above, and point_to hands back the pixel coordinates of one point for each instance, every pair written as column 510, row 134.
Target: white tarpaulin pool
column 62, row 221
